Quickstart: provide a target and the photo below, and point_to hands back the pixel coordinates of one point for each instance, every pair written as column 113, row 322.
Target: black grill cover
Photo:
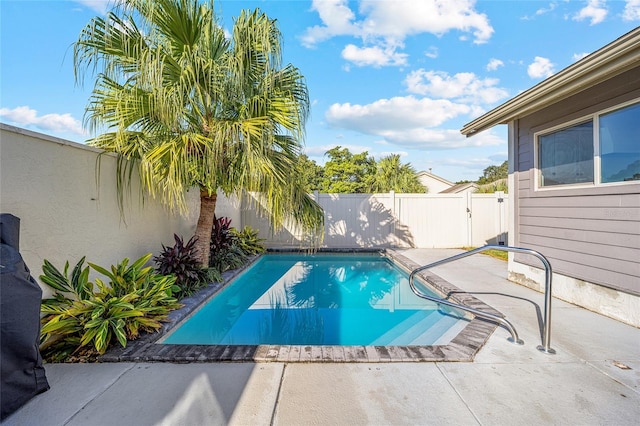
column 22, row 374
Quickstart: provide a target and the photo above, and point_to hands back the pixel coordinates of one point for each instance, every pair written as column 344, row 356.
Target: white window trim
column 597, row 178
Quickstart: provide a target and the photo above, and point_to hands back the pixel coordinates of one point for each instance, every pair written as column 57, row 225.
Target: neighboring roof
column 615, row 58
column 432, row 176
column 461, row 187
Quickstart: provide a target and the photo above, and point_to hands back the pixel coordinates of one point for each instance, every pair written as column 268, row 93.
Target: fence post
column 469, row 221
column 500, row 217
column 392, row 196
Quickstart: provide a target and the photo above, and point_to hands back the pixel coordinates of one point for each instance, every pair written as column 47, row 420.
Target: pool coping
column 461, row 348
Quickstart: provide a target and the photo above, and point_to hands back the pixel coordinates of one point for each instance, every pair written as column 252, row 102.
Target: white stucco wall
column 50, row 184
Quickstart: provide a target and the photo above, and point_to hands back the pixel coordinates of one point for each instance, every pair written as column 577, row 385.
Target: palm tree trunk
column 204, row 227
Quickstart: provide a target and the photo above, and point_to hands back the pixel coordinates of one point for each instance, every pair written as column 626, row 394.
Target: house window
column 620, row 145
column 566, row 156
column 601, row 150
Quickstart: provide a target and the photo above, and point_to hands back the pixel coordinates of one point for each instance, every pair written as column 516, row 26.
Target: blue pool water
column 318, row 299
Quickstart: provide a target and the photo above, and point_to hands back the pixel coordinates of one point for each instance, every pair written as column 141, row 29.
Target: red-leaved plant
column 180, row 260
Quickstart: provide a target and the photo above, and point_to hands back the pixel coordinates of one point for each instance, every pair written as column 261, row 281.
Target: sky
column 384, row 76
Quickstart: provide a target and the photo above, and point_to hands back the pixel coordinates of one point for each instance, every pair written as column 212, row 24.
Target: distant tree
column 392, row 175
column 494, row 173
column 347, row 173
column 309, row 173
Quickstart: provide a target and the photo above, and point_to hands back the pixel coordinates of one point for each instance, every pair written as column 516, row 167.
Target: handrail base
column 515, row 342
column 546, row 350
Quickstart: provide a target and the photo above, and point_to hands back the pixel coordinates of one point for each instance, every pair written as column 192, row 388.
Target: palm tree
column 189, row 107
column 392, row 175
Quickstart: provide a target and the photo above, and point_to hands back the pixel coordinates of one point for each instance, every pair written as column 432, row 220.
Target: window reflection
column 620, row 145
column 566, row 156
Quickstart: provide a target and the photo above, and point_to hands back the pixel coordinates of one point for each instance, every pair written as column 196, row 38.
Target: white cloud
column 396, row 113
column 540, row 68
column 401, row 18
column 494, row 64
column 337, row 19
column 541, row 11
column 100, row 6
column 408, row 121
column 25, row 116
column 424, row 138
column 631, row 11
column 577, row 56
column 594, row 10
column 432, row 52
column 465, row 87
column 376, row 56
column 383, row 25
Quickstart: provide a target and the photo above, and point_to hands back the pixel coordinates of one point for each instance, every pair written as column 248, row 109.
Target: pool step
column 408, row 330
column 434, row 329
column 441, row 332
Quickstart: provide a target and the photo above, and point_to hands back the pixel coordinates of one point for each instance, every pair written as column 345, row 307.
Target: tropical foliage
column 221, row 237
column 225, row 254
column 392, row 175
column 494, row 173
column 84, row 317
column 309, row 173
column 180, row 261
column 494, row 179
column 230, row 248
column 490, row 188
column 248, row 241
column 188, row 106
column 347, row 173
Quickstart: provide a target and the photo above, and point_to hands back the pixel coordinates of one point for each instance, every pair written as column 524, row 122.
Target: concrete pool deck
column 593, row 379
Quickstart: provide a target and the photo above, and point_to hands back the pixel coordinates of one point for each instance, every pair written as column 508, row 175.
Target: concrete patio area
column 594, row 379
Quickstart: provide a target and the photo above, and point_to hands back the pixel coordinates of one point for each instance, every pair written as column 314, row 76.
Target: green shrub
column 87, row 318
column 231, row 258
column 213, row 275
column 248, row 241
column 180, row 261
column 230, row 247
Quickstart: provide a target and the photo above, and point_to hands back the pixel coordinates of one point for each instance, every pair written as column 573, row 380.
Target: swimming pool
column 319, row 299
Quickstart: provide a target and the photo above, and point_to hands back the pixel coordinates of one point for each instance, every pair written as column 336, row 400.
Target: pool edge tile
column 294, row 353
column 372, row 354
column 283, row 353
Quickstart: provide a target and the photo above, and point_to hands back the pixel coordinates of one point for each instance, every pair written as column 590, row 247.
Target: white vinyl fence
column 399, row 220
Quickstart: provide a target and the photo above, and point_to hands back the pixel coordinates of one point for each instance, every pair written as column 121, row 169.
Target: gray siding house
column 574, row 179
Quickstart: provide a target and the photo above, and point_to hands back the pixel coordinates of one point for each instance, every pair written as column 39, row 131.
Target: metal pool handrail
column 546, row 336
